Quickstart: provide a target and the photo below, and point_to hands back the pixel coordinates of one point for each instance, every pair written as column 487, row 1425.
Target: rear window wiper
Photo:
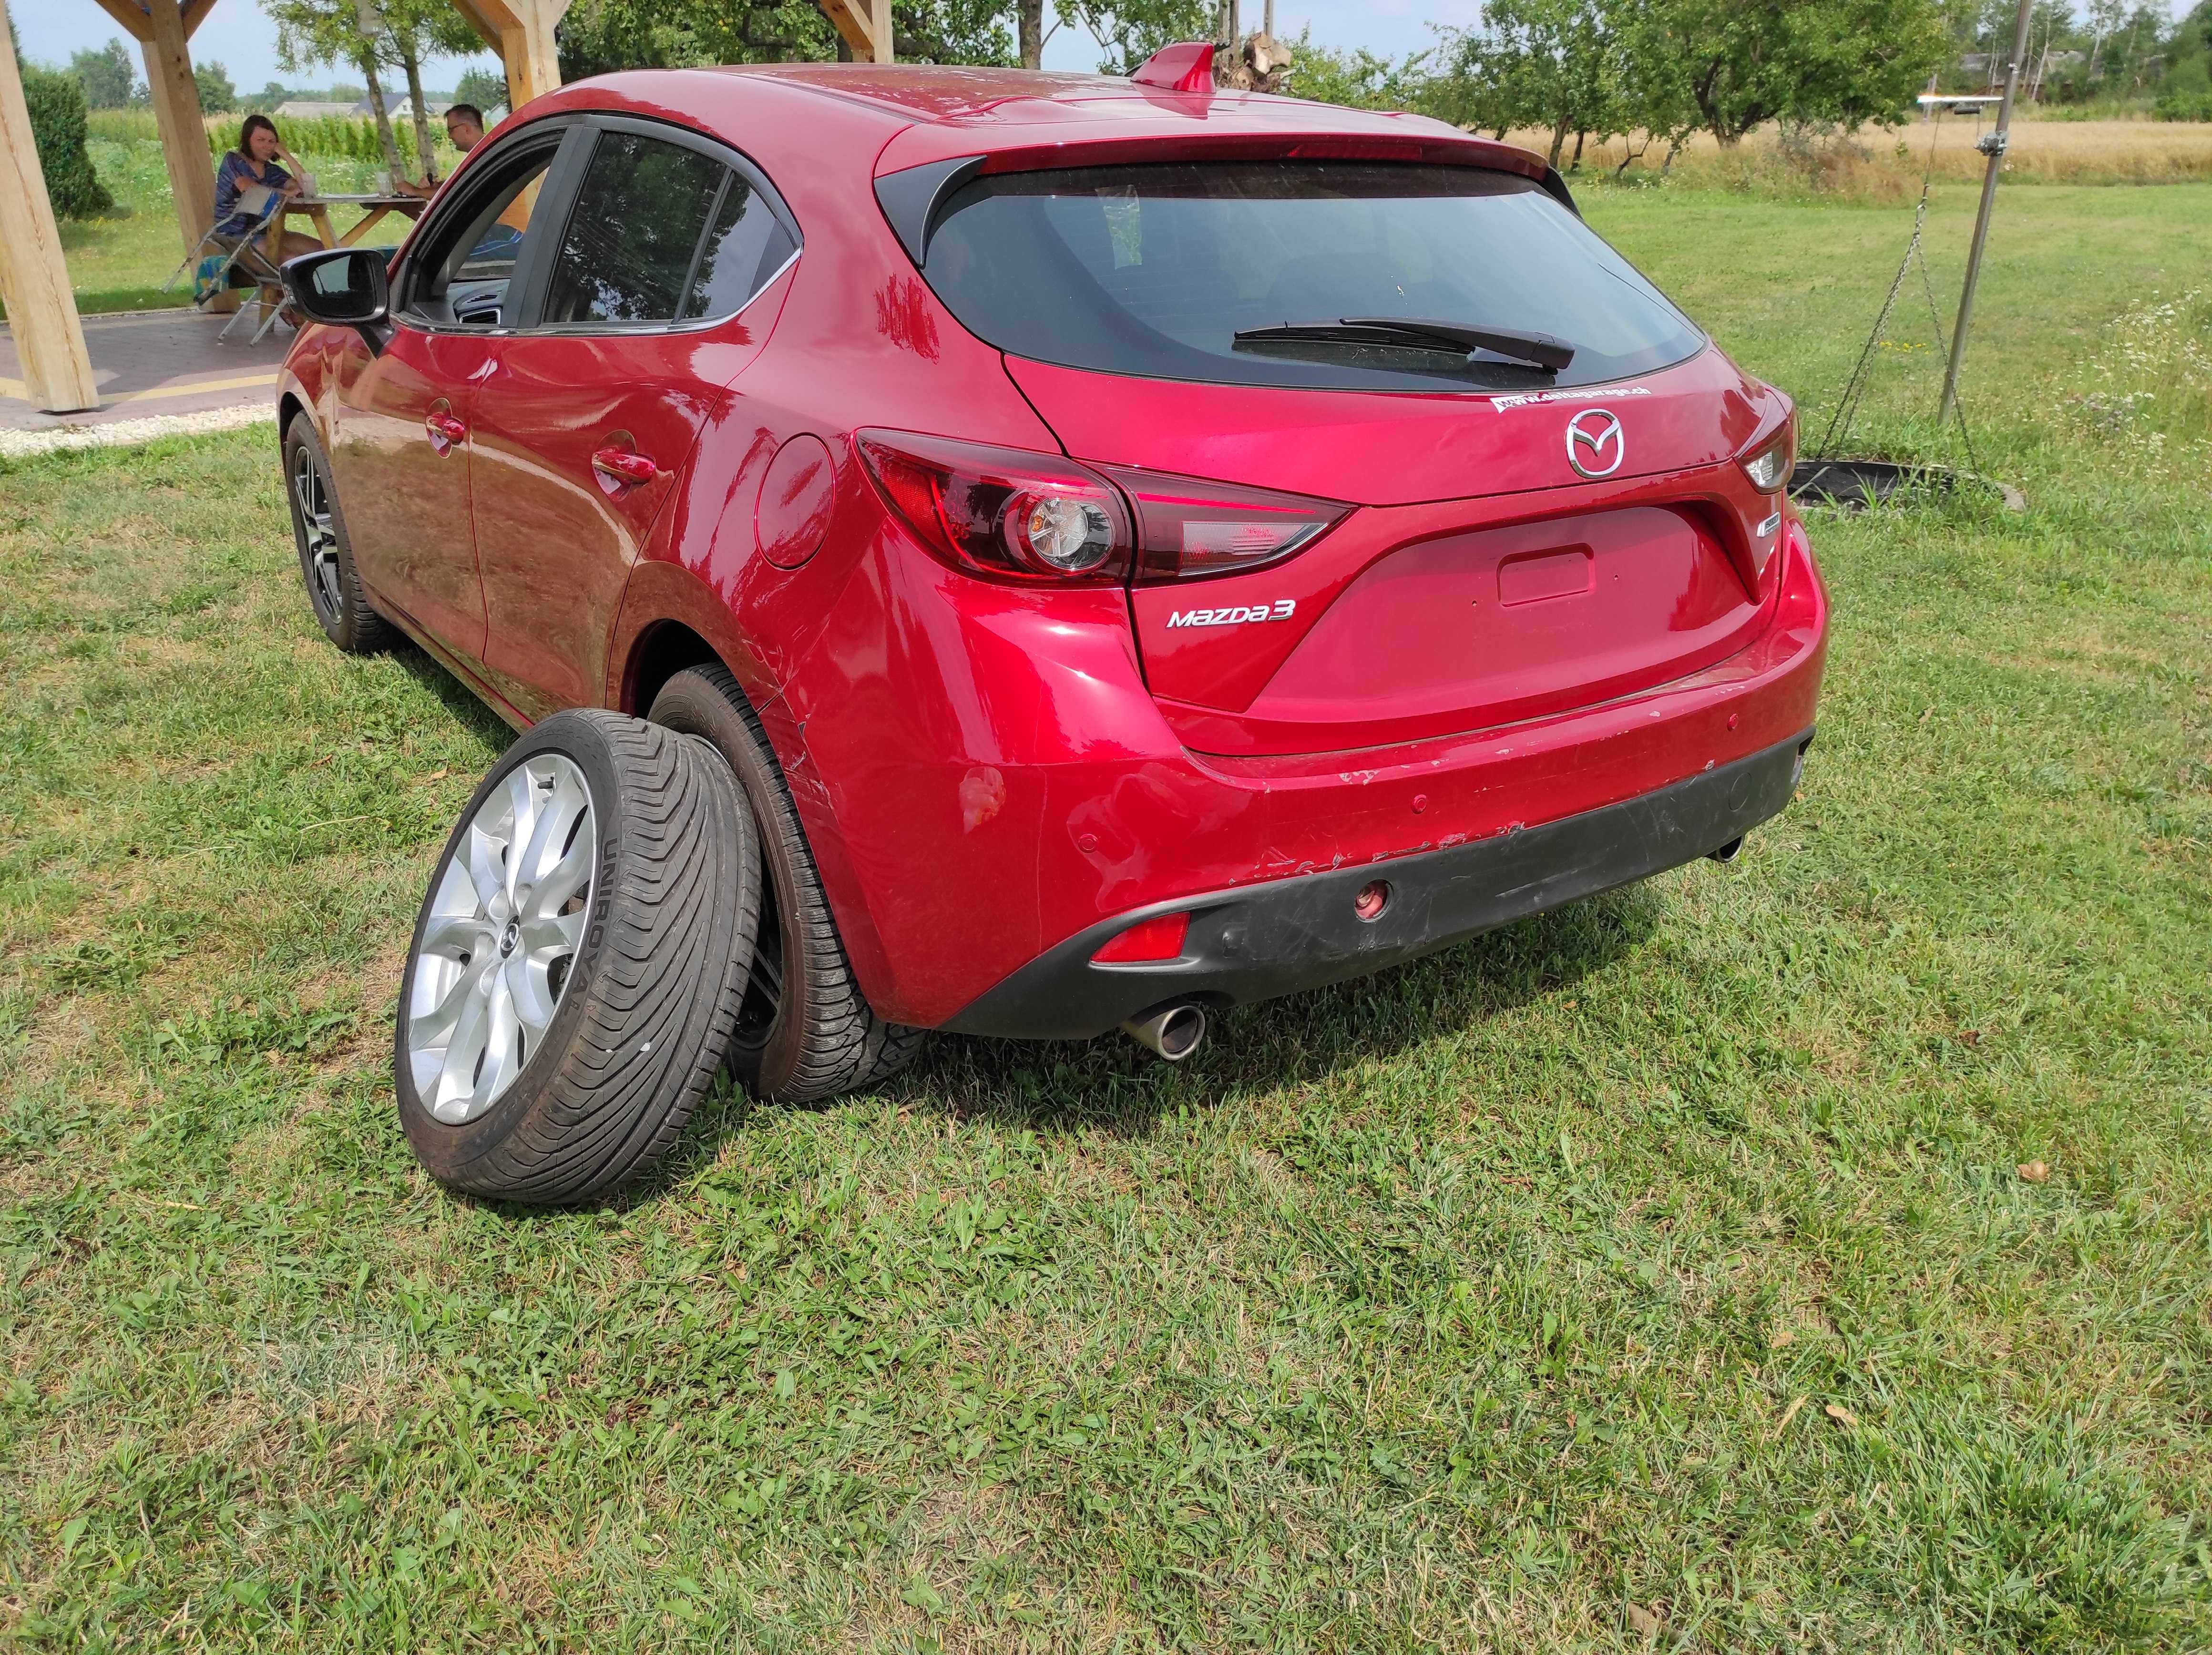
column 1539, row 350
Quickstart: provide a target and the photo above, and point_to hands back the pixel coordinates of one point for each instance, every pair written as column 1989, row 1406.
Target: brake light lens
column 1005, row 513
column 1769, row 465
column 1160, row 937
column 1187, row 527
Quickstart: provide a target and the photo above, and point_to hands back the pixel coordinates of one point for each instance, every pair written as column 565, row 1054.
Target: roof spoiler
column 913, row 199
column 1186, row 66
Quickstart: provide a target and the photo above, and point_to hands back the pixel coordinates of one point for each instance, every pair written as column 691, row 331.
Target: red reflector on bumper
column 1158, row 938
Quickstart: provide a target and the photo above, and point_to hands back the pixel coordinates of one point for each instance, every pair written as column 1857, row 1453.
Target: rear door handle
column 624, row 465
column 444, row 428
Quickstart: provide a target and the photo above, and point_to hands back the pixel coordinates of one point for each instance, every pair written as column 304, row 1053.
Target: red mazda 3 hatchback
column 1049, row 552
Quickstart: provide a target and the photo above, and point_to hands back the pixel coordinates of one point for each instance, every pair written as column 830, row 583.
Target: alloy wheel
column 314, row 503
column 500, row 941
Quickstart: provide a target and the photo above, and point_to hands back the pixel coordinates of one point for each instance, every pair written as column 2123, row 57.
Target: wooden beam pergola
column 33, row 279
column 162, row 27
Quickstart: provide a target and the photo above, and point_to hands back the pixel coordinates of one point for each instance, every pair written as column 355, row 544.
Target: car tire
column 628, row 846
column 334, row 592
column 806, row 1030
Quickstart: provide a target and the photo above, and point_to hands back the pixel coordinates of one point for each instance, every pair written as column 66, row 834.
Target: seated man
column 464, row 126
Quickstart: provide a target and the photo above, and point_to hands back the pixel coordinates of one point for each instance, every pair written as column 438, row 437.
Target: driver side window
column 465, row 277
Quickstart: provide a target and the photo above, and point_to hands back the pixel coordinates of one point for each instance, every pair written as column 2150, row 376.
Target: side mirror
column 344, row 285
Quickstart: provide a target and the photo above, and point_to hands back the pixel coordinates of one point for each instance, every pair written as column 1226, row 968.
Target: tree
column 1742, row 63
column 597, row 37
column 310, row 32
column 1129, row 30
column 58, row 132
column 1359, row 79
column 218, row 94
column 411, row 30
column 955, row 32
column 480, row 87
column 2186, row 95
column 107, row 76
column 1541, row 62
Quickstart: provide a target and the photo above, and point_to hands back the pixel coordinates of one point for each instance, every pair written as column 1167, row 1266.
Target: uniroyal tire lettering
column 1281, row 610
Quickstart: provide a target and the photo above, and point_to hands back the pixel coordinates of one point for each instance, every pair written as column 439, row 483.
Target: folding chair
column 250, row 259
column 236, row 256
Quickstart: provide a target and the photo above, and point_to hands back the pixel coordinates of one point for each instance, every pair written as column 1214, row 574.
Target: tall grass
column 1888, row 165
column 333, row 135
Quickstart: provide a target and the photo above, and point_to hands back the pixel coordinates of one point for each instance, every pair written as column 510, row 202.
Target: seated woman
column 249, row 177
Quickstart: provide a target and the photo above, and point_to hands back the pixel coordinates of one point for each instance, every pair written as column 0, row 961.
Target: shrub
column 2186, row 95
column 56, row 104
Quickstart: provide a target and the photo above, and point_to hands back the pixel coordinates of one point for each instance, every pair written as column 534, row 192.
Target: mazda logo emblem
column 1595, row 446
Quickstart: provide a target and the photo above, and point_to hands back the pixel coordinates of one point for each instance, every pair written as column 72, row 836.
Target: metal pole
column 1994, row 147
column 1271, row 19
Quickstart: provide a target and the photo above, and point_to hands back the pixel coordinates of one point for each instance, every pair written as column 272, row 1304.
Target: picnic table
column 316, row 209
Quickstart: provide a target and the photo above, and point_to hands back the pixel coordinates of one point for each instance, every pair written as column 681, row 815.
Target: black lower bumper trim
column 1259, row 940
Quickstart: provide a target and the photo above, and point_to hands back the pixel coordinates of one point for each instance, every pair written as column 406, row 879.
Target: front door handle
column 624, row 465
column 446, row 429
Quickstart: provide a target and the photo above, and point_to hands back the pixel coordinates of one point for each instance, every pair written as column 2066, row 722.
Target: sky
column 238, row 35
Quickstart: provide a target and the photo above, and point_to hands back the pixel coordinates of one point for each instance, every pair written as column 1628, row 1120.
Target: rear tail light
column 1768, row 466
column 1005, row 514
column 1187, row 527
column 1160, row 937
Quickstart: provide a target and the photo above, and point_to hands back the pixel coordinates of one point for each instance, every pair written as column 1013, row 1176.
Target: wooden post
column 161, row 27
column 521, row 31
column 866, row 26
column 34, row 278
column 176, row 99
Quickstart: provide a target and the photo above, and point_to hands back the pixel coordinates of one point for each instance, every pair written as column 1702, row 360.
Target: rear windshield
column 1154, row 269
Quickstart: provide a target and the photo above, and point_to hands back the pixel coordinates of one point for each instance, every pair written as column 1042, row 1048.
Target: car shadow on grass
column 1059, row 1088
column 456, row 698
column 1114, row 1085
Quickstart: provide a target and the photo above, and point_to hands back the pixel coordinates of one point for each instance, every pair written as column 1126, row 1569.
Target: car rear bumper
column 1259, row 940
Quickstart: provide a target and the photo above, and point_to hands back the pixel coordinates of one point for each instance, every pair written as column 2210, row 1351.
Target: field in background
column 1888, row 165
column 1659, row 1274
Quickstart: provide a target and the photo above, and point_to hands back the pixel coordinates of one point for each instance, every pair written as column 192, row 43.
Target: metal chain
column 1847, row 405
column 1854, row 387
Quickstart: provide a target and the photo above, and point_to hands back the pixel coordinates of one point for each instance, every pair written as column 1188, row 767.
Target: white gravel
column 123, row 434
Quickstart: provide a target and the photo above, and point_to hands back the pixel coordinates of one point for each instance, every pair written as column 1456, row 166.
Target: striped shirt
column 235, row 174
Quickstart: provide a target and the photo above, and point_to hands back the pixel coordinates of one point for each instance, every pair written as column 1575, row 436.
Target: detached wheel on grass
column 576, row 972
column 341, row 608
column 806, row 1030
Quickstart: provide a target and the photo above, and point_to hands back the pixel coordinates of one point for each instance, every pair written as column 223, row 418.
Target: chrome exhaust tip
column 1174, row 1032
column 1727, row 853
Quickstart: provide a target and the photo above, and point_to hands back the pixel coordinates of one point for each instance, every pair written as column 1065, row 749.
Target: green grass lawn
column 1656, row 1274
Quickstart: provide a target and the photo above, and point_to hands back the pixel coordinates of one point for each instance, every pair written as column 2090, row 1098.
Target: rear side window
column 661, row 233
column 1155, row 269
column 746, row 246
